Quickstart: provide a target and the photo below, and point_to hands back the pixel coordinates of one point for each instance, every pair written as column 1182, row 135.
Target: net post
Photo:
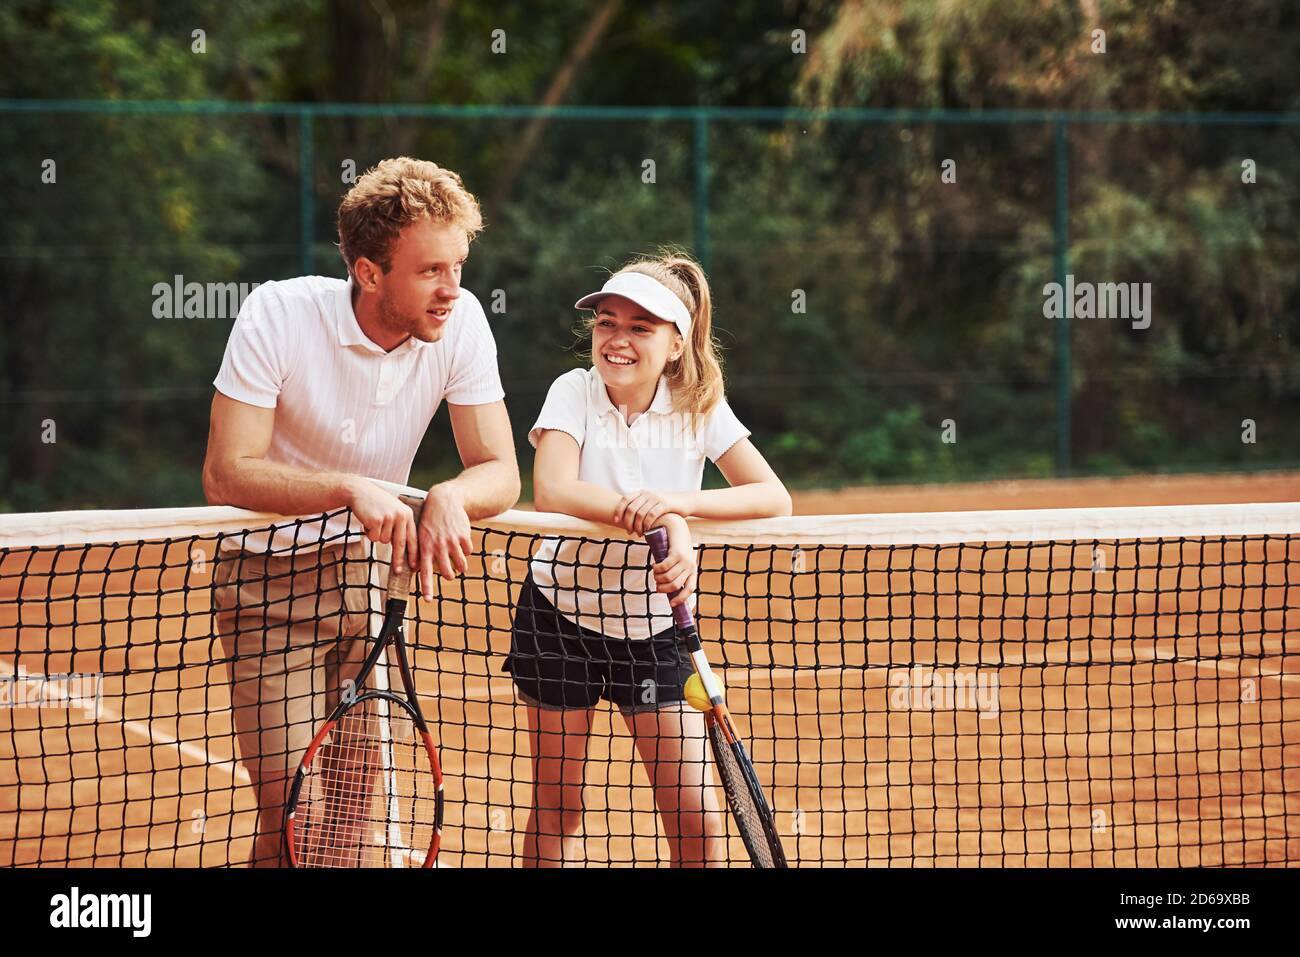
column 701, row 158
column 1061, row 231
column 306, row 198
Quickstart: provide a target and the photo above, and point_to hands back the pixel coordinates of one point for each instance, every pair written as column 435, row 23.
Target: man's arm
column 235, row 472
column 490, row 483
column 488, row 486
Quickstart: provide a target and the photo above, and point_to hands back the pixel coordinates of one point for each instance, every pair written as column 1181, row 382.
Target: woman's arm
column 755, row 492
column 556, row 487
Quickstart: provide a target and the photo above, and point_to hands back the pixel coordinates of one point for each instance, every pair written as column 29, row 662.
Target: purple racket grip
column 657, row 539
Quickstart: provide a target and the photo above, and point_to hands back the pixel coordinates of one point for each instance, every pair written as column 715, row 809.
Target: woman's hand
column 641, row 511
column 675, row 575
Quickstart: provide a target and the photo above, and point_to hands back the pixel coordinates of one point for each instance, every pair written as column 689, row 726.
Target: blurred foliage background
column 924, row 298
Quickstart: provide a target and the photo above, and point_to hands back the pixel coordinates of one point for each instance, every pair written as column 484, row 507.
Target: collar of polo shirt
column 648, row 293
column 349, row 329
column 661, row 403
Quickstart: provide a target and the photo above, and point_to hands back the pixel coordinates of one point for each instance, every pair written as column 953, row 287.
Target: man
column 325, row 383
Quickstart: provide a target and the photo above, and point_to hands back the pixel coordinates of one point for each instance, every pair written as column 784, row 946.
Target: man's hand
column 640, row 511
column 676, row 573
column 387, row 519
column 444, row 534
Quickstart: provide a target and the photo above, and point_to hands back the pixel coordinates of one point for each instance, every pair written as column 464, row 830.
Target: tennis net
column 1075, row 687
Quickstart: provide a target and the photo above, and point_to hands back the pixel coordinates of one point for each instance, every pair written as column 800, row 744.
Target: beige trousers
column 294, row 629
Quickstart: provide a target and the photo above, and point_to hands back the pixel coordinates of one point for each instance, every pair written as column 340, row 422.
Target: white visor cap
column 648, row 293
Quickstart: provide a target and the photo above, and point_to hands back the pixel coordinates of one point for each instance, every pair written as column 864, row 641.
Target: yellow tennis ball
column 697, row 697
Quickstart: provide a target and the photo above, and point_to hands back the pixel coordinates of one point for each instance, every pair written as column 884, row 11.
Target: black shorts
column 557, row 665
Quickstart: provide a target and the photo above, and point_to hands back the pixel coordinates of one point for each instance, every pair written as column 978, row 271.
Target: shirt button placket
column 387, row 375
column 632, row 460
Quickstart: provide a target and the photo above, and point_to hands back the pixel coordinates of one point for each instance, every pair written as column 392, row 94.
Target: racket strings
column 748, row 816
column 367, row 796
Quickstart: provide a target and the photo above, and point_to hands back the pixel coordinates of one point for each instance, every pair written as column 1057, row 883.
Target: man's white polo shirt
column 601, row 585
column 341, row 402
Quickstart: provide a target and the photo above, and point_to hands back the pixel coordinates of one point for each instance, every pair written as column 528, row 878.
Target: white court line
column 145, row 730
column 500, row 689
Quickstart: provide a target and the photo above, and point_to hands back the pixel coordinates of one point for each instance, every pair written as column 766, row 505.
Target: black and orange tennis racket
column 749, row 807
column 368, row 792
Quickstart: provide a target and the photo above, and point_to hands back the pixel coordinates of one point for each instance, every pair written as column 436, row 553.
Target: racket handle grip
column 657, row 539
column 401, row 587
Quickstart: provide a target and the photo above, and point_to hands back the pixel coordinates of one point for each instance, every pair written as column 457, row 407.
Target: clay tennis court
column 1104, row 750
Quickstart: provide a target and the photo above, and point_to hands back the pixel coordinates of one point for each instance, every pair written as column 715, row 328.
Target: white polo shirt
column 607, row 586
column 341, row 402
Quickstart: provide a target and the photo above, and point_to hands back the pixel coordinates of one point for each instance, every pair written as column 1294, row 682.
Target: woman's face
column 630, row 347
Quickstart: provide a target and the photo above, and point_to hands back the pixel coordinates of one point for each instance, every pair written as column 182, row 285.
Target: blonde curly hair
column 393, row 195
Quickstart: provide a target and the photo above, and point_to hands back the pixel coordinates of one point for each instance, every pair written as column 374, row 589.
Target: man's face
column 418, row 291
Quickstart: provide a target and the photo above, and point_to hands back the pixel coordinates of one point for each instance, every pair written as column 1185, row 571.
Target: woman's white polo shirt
column 607, row 586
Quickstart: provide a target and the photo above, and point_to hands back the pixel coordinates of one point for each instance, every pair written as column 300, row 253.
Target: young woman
column 624, row 443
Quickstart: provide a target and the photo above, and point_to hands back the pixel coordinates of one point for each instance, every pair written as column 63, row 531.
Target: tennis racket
column 749, row 808
column 368, row 791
